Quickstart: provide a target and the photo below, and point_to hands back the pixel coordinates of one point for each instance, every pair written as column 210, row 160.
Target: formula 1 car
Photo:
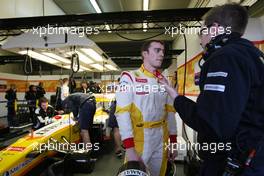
column 29, row 151
column 101, row 116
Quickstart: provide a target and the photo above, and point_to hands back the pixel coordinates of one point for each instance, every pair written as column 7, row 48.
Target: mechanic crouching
column 44, row 113
column 83, row 107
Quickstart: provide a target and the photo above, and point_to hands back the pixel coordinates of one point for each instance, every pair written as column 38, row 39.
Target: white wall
column 262, row 23
column 28, row 8
column 254, row 30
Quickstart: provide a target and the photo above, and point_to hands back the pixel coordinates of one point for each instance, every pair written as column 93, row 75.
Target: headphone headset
column 216, row 43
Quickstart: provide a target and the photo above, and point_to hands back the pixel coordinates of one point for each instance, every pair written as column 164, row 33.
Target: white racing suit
column 146, row 117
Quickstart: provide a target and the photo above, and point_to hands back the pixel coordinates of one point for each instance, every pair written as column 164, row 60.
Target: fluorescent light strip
column 145, row 5
column 145, row 8
column 145, row 27
column 97, row 66
column 110, row 67
column 96, row 6
column 108, row 28
column 55, row 56
column 69, row 67
column 85, row 68
column 82, row 57
column 98, row 10
column 92, row 54
column 39, row 56
column 66, row 66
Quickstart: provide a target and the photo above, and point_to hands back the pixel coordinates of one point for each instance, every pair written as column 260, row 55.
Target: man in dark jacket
column 114, row 125
column 84, row 87
column 83, row 107
column 40, row 90
column 229, row 108
column 11, row 98
column 31, row 97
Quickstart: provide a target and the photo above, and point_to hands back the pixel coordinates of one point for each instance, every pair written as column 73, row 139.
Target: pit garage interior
column 107, row 35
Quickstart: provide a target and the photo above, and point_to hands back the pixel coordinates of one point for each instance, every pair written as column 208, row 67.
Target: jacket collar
column 155, row 74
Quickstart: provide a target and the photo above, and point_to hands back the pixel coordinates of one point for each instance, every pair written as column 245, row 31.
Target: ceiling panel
column 75, row 6
column 168, row 4
column 84, row 6
column 126, row 53
column 132, row 5
column 110, row 5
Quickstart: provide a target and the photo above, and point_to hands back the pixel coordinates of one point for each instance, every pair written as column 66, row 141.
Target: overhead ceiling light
column 145, row 27
column 82, row 57
column 85, row 68
column 96, row 6
column 92, row 54
column 145, row 5
column 110, row 67
column 66, row 66
column 38, row 56
column 69, row 67
column 98, row 10
column 97, row 66
column 248, row 2
column 145, row 8
column 55, row 56
column 108, row 28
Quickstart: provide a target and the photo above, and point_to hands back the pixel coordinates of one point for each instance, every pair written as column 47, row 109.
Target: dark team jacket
column 31, row 97
column 230, row 106
column 40, row 92
column 40, row 112
column 11, row 97
column 82, row 90
column 74, row 102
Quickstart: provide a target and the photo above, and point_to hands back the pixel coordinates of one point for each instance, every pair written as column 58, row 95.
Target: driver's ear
column 144, row 54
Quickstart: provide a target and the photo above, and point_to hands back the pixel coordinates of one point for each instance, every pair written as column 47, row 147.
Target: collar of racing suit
column 155, row 74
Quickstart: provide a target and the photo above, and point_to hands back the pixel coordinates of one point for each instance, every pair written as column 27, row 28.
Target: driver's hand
column 132, row 155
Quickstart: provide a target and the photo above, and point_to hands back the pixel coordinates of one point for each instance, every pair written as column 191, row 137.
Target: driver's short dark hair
column 43, row 100
column 147, row 44
column 228, row 15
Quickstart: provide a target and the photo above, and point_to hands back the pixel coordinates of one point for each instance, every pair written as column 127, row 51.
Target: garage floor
column 108, row 165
